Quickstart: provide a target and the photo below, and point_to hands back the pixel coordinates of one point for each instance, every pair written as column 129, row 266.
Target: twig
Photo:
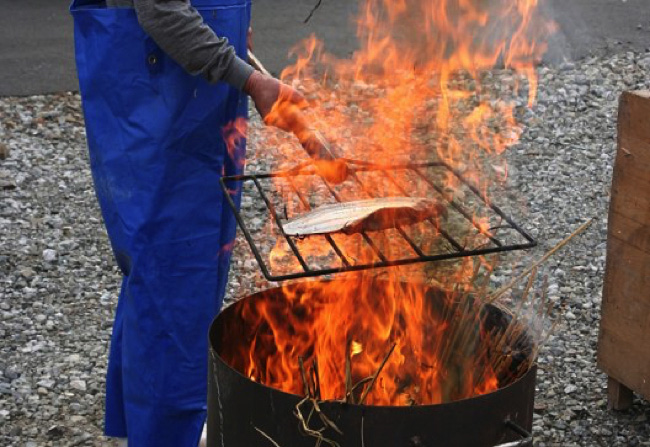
column 303, row 374
column 529, row 285
column 349, row 398
column 376, row 375
column 310, row 396
column 360, row 383
column 257, row 64
column 316, row 379
column 267, row 437
column 313, row 11
column 327, row 421
column 309, row 431
column 496, row 295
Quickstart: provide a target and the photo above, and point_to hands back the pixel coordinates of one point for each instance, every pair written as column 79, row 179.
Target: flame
column 441, row 351
column 419, row 87
column 356, row 348
column 234, row 134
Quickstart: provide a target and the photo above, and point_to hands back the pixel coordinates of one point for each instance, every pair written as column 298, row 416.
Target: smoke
column 559, row 49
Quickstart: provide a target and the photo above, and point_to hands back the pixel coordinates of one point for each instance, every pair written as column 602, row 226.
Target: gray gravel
column 59, row 284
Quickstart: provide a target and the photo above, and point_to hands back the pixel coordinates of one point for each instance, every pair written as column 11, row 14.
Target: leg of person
column 115, row 422
column 173, row 293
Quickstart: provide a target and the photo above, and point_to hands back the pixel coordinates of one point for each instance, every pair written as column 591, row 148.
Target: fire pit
column 296, row 366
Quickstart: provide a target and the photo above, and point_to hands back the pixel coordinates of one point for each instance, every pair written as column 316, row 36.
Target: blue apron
column 157, row 151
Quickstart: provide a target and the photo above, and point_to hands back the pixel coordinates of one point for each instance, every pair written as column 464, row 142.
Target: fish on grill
column 370, row 215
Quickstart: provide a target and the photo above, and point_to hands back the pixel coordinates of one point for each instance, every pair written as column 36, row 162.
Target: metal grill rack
column 517, row 238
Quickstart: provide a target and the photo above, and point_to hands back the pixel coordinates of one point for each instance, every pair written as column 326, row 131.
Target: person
column 161, row 83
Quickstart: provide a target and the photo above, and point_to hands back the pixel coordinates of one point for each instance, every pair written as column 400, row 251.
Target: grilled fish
column 372, row 215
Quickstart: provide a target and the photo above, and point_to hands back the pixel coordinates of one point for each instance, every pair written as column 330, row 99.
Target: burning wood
column 360, row 215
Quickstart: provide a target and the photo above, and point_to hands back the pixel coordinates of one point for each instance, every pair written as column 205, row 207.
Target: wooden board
column 624, row 340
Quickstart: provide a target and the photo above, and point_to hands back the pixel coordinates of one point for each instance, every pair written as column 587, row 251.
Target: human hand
column 281, row 106
column 278, row 104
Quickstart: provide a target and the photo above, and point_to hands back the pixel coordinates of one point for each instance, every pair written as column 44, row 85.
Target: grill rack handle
column 526, row 437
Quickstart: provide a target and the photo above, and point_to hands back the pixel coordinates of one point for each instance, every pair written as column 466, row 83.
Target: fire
column 417, row 89
column 430, row 346
column 234, row 134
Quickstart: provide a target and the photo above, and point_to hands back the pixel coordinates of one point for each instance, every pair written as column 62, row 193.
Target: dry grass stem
column 270, row 439
column 376, row 375
column 315, row 377
column 499, row 293
column 349, row 397
column 303, row 374
column 360, row 383
column 304, row 424
column 529, row 285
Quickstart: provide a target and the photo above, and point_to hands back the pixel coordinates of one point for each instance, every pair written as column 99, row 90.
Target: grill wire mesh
column 283, row 196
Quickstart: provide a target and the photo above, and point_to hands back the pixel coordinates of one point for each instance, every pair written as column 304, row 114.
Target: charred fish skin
column 390, row 218
column 364, row 215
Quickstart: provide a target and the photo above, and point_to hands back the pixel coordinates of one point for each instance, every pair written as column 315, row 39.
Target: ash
column 59, row 284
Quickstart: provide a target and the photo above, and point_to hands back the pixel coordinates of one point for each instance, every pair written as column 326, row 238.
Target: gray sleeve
column 179, row 31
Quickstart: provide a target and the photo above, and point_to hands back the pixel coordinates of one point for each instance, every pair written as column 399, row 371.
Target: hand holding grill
column 281, row 106
column 269, row 94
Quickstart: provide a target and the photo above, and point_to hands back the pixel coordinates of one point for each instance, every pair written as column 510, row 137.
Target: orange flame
column 234, row 134
column 419, row 87
column 440, row 352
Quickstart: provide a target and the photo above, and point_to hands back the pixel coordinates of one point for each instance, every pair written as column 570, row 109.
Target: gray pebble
column 49, row 255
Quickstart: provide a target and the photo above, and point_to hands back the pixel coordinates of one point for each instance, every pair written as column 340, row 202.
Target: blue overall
column 157, row 152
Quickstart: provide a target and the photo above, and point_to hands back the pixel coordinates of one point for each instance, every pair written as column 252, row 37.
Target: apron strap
column 79, row 4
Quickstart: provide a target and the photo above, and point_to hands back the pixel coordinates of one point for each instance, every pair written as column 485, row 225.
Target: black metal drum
column 243, row 413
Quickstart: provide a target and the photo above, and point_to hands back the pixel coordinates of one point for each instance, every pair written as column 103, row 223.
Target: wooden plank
column 633, row 163
column 633, row 116
column 624, row 340
column 633, row 152
column 620, row 397
column 619, row 358
column 629, row 231
column 627, row 284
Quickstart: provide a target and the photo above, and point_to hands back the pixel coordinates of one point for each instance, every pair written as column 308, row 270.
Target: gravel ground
column 59, row 284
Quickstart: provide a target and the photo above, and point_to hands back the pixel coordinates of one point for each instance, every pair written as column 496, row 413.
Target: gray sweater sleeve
column 179, row 30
